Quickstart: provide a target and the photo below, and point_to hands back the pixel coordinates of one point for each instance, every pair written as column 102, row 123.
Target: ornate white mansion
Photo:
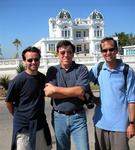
column 84, row 33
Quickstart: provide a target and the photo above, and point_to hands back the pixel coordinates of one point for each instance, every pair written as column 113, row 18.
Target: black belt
column 68, row 112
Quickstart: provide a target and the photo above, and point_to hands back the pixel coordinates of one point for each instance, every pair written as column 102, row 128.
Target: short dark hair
column 65, row 43
column 109, row 39
column 31, row 49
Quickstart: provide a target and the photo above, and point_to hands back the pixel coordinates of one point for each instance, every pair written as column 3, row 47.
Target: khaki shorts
column 109, row 140
column 23, row 141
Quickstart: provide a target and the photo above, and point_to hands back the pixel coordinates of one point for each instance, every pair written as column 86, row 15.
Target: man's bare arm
column 131, row 127
column 63, row 92
column 10, row 107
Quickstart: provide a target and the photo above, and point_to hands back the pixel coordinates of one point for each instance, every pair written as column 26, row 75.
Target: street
column 6, row 127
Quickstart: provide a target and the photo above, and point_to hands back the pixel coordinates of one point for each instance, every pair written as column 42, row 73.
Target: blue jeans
column 70, row 125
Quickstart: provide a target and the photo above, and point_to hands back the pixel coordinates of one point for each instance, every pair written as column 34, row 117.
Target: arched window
column 65, row 32
column 98, row 33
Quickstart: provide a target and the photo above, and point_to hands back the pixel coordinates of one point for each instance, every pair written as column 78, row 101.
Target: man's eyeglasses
column 64, row 52
column 109, row 49
column 34, row 59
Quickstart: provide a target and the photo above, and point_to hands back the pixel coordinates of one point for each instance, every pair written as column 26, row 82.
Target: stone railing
column 8, row 66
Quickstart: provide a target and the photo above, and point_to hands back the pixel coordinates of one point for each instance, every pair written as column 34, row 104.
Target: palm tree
column 17, row 43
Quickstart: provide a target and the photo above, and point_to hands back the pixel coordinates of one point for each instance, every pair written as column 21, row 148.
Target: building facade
column 85, row 34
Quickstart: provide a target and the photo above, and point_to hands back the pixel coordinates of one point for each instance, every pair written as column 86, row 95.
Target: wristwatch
column 131, row 122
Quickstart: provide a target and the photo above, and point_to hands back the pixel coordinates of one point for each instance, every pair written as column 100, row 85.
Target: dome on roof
column 64, row 14
column 96, row 15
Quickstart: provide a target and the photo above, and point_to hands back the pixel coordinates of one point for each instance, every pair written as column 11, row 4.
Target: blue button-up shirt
column 112, row 114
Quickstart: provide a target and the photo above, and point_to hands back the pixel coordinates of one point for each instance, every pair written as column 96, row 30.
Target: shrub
column 4, row 81
column 20, row 68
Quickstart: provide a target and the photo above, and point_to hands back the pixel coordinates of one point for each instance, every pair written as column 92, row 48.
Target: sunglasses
column 33, row 59
column 109, row 49
column 64, row 52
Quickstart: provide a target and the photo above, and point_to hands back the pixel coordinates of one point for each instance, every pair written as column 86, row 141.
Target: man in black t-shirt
column 25, row 101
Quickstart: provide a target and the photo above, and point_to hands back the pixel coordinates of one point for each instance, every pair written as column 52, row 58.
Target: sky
column 27, row 20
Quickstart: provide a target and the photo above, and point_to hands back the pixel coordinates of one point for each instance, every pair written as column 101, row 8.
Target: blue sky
column 27, row 20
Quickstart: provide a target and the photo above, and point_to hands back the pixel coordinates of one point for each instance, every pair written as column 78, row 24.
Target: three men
column 67, row 84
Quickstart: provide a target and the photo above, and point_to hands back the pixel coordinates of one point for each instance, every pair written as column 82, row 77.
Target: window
column 78, row 48
column 53, row 25
column 84, row 34
column 97, row 48
column 130, row 52
column 97, row 33
column 65, row 32
column 78, row 34
column 51, row 47
column 100, row 33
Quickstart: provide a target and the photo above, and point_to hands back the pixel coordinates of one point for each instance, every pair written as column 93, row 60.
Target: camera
column 89, row 100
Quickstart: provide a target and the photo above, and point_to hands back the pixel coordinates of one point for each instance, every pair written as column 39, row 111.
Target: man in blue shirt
column 115, row 114
column 25, row 101
column 67, row 85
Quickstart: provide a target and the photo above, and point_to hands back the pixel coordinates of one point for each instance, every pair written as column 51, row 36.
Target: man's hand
column 10, row 107
column 131, row 131
column 131, row 126
column 49, row 89
column 96, row 100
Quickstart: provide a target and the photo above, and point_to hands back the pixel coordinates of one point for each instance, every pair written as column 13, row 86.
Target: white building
column 129, row 50
column 84, row 33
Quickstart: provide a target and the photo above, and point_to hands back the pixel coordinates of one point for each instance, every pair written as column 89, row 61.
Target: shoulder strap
column 125, row 72
column 99, row 68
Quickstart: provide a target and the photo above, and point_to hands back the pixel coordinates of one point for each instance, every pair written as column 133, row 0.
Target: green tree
column 17, row 43
column 131, row 39
column 125, row 39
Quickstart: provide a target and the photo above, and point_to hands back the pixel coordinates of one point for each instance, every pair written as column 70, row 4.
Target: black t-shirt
column 26, row 93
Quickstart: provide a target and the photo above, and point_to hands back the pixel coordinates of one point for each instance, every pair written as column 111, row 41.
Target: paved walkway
column 6, row 127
